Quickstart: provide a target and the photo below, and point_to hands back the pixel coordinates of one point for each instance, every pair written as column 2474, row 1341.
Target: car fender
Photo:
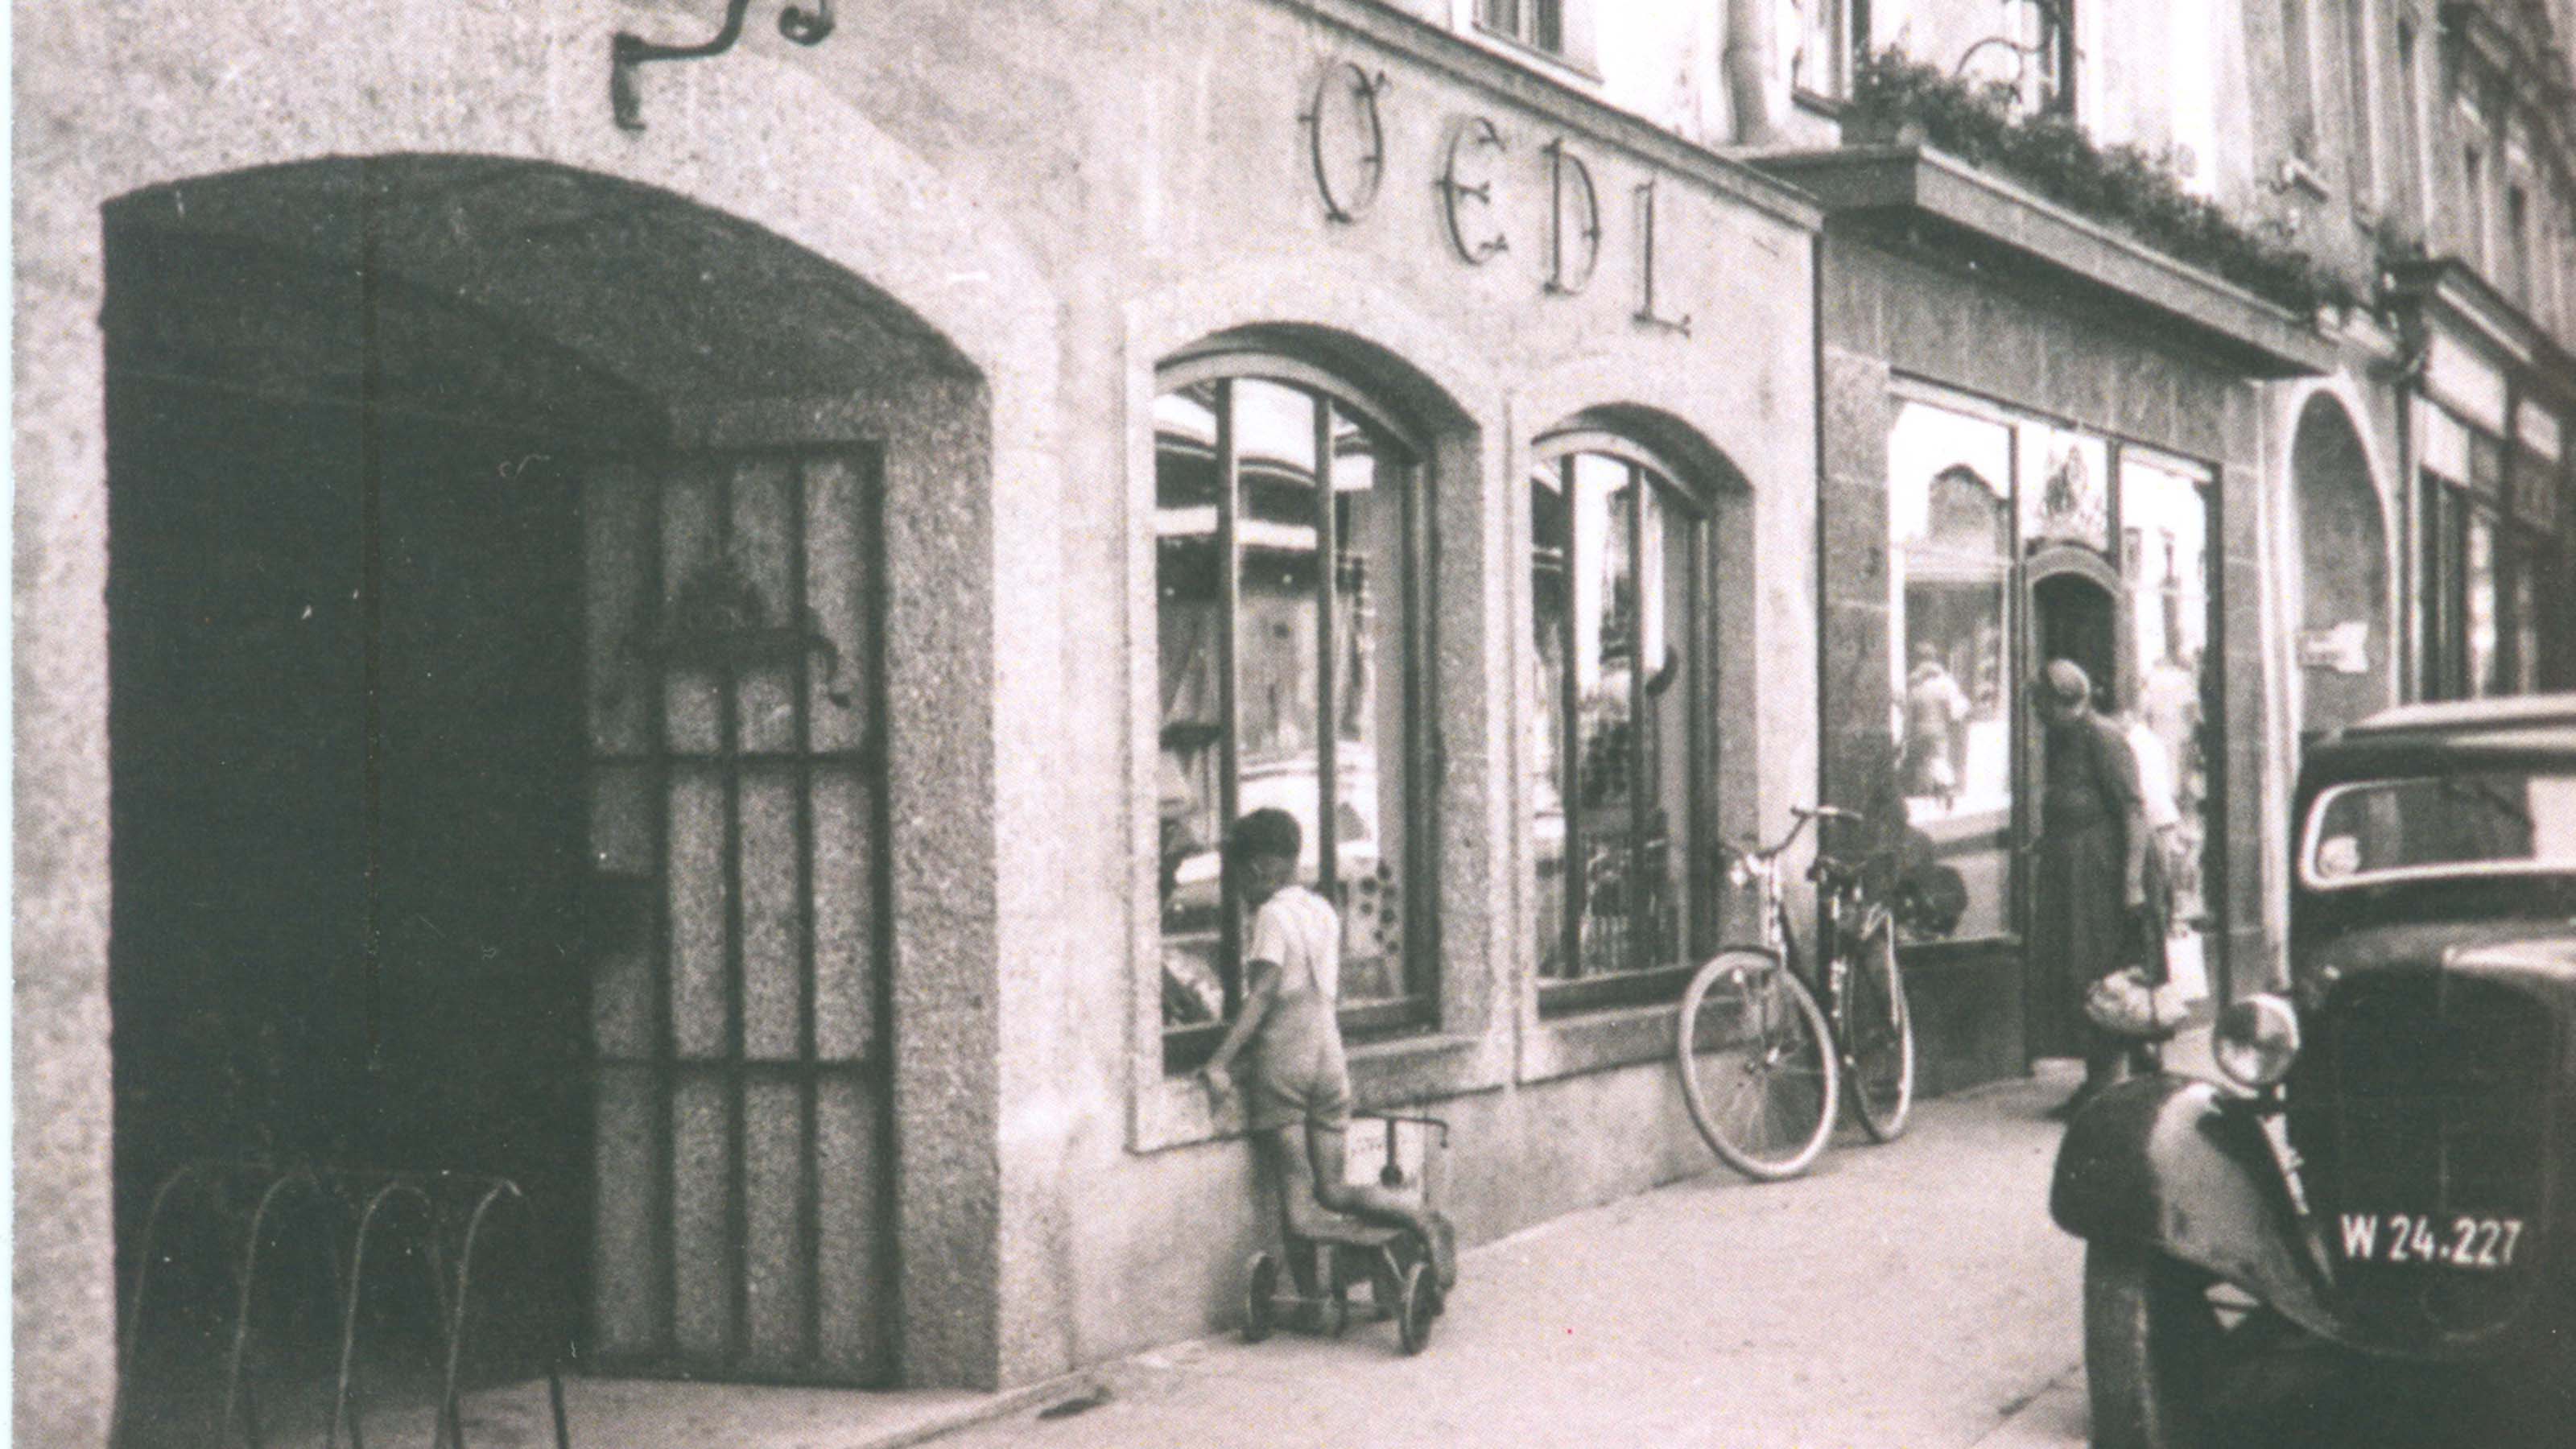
column 2164, row 1162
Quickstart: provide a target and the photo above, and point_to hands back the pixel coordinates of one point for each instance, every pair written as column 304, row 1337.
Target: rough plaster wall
column 61, row 1286
column 1391, row 278
column 517, row 81
column 1028, row 1226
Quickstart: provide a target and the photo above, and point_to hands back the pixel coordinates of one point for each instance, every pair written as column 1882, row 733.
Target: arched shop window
column 1287, row 683
column 1621, row 718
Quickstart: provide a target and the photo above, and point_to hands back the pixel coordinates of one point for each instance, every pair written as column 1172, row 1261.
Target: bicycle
column 1763, row 1064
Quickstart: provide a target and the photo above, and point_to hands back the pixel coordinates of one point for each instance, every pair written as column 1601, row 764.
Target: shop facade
column 692, row 645
column 2041, row 441
column 2487, row 415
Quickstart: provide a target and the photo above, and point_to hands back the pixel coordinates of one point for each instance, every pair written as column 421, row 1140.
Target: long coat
column 2081, row 926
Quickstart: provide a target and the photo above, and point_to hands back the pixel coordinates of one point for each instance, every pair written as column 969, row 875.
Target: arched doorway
column 2343, row 646
column 497, row 753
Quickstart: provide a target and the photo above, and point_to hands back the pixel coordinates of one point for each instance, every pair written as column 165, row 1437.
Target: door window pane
column 2165, row 564
column 1949, row 564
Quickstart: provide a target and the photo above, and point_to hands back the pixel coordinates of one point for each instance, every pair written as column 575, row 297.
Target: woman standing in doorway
column 2092, row 867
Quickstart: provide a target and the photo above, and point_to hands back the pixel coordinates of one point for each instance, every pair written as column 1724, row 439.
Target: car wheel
column 2151, row 1340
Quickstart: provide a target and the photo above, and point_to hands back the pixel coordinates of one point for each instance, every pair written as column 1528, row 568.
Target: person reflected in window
column 1935, row 708
column 2091, row 879
column 1298, row 1099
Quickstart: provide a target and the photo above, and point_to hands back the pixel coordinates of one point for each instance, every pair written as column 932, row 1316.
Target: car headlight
column 2255, row 1040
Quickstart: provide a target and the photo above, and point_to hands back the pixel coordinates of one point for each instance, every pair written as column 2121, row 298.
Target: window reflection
column 2164, row 515
column 1281, row 674
column 1615, row 606
column 1949, row 564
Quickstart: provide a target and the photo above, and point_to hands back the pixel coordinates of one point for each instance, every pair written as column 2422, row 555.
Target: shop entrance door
column 741, row 928
column 2072, row 616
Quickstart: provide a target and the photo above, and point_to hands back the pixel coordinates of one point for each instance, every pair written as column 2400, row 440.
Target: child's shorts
column 1320, row 1099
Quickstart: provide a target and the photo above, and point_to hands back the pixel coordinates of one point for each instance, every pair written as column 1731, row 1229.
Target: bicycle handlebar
column 1804, row 814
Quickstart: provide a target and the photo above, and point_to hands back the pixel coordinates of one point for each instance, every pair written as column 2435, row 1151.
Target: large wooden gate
column 740, row 932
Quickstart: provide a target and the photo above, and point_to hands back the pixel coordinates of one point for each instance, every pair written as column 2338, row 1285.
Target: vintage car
column 2372, row 1223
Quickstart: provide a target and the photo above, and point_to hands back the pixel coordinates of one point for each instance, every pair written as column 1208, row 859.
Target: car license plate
column 2475, row 1243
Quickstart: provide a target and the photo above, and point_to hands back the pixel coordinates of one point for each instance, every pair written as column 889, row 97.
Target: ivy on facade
column 2128, row 187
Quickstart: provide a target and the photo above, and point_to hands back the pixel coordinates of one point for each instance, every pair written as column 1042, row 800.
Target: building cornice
column 1478, row 68
column 1905, row 184
column 2449, row 294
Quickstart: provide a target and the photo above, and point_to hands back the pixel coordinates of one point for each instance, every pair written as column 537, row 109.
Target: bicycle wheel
column 1876, row 1030
column 1756, row 1064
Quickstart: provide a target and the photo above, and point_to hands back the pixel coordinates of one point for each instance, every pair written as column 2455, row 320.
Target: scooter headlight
column 2255, row 1040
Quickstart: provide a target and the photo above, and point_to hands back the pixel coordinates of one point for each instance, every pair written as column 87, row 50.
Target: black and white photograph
column 842, row 724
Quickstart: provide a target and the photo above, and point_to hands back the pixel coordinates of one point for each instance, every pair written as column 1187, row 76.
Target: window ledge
column 1818, row 103
column 1598, row 1041
column 1403, row 1072
column 1519, row 49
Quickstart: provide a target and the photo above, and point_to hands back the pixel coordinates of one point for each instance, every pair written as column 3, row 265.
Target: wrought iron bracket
column 720, row 623
column 626, row 51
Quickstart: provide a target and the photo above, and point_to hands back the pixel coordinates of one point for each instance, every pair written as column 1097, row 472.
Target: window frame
column 1634, row 985
column 1539, row 25
column 1184, row 1048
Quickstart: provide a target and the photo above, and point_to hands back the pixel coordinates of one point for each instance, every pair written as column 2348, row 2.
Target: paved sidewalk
column 1914, row 1296
column 1911, row 1297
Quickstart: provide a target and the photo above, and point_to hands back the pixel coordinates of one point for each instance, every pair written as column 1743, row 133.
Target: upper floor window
column 1539, row 23
column 2410, row 124
column 1829, row 37
column 2473, row 181
column 2517, row 247
column 2361, row 105
column 1290, row 527
column 1621, row 718
column 2298, row 79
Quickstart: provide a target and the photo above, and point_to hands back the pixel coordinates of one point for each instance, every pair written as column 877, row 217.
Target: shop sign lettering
column 1345, row 129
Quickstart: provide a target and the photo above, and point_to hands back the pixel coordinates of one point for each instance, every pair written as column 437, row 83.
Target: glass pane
column 1368, row 671
column 2522, row 617
column 852, row 1261
column 1607, row 624
column 838, row 552
column 2479, row 575
column 1949, row 559
column 1550, row 545
column 2384, row 829
column 2165, row 565
column 1188, row 621
column 616, row 523
column 765, row 677
column 773, row 927
column 694, row 582
column 775, row 1272
column 697, row 886
column 1667, row 703
column 2065, row 488
column 844, row 915
column 700, row 1235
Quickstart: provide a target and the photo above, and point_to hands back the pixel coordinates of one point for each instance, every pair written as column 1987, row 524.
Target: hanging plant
column 1897, row 98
